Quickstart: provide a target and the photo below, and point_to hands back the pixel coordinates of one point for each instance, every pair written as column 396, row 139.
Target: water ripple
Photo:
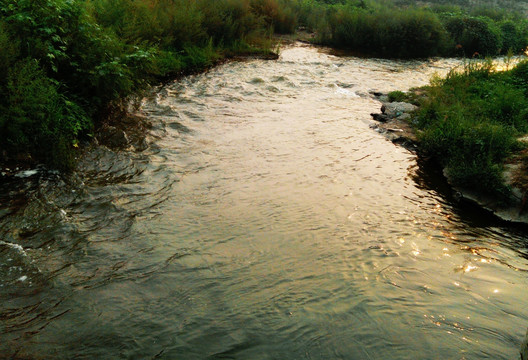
column 264, row 219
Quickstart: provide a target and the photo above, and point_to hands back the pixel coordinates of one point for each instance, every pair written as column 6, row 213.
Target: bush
column 397, row 96
column 519, row 76
column 228, row 21
column 512, row 37
column 277, row 14
column 36, row 118
column 409, row 33
column 412, row 33
column 382, row 29
column 473, row 36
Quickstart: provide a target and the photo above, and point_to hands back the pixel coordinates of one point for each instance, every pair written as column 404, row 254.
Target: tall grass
column 381, row 28
column 406, row 33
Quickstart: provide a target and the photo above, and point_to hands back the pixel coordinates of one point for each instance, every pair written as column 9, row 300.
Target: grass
column 471, row 121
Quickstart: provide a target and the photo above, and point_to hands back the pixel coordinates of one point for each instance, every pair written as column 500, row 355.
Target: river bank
column 67, row 64
column 120, row 126
column 396, row 123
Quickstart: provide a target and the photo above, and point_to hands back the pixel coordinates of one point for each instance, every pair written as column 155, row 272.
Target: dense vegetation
column 66, row 64
column 386, row 30
column 471, row 122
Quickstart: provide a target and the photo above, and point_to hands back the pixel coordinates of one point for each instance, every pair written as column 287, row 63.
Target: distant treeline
column 66, row 64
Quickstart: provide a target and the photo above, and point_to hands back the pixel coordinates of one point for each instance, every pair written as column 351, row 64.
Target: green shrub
column 397, row 96
column 36, row 118
column 519, row 76
column 228, row 21
column 9, row 53
column 277, row 14
column 62, row 69
column 382, row 29
column 473, row 36
column 406, row 33
column 411, row 34
column 512, row 37
column 168, row 63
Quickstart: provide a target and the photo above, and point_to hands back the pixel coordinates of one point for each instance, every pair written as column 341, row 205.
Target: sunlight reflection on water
column 265, row 220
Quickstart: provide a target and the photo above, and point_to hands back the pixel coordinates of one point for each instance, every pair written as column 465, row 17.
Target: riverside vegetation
column 474, row 121
column 66, row 65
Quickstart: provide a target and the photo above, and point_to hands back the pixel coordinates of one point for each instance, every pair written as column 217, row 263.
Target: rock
column 511, row 212
column 394, row 121
column 380, row 117
column 404, row 116
column 26, row 173
column 396, row 109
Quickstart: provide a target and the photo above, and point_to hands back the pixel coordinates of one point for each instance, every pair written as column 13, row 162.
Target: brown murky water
column 265, row 220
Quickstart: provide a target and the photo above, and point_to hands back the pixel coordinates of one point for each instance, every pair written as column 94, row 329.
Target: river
column 264, row 220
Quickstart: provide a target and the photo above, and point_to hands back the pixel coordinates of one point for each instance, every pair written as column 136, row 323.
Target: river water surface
column 265, row 220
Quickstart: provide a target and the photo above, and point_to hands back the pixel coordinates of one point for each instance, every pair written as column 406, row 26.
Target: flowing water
column 265, row 220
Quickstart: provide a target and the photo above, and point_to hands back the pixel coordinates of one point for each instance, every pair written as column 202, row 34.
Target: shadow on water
column 428, row 176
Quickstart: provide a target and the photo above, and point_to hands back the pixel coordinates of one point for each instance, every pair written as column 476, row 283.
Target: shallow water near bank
column 265, row 220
